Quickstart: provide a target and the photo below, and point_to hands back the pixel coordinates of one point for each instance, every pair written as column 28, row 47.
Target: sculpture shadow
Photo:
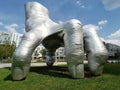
column 62, row 71
column 54, row 71
column 57, row 71
column 9, row 77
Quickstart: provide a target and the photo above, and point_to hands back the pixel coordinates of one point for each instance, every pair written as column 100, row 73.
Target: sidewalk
column 5, row 65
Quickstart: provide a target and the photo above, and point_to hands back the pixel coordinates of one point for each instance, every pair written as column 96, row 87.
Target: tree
column 7, row 49
column 12, row 49
column 43, row 52
column 1, row 52
column 36, row 53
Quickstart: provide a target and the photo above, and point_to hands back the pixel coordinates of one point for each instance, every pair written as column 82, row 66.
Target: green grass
column 58, row 78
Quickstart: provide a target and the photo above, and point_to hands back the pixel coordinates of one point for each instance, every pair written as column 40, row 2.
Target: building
column 16, row 37
column 113, row 51
column 60, row 52
column 11, row 37
column 4, row 36
column 37, row 52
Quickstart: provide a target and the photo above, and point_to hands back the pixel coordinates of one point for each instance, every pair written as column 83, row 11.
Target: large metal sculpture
column 41, row 29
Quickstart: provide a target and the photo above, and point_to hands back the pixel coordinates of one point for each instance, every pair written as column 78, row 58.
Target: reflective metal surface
column 95, row 50
column 41, row 29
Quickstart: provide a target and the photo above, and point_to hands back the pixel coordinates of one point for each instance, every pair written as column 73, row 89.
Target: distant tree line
column 43, row 52
column 6, row 50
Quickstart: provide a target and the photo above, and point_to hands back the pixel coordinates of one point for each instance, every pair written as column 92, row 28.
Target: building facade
column 10, row 37
column 60, row 52
column 37, row 52
column 113, row 51
column 4, row 36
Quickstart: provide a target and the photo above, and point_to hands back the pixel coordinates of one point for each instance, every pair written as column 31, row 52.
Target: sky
column 103, row 15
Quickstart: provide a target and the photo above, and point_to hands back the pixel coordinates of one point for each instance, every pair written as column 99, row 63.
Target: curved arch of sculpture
column 41, row 29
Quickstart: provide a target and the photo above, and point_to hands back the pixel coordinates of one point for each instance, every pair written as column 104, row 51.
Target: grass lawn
column 58, row 78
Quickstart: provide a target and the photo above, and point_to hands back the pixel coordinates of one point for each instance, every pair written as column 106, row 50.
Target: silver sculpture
column 41, row 29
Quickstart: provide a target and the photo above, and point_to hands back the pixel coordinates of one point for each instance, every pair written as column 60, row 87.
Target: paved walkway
column 4, row 65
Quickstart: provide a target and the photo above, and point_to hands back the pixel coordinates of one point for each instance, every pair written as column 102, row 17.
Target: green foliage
column 58, row 78
column 36, row 53
column 6, row 50
column 43, row 52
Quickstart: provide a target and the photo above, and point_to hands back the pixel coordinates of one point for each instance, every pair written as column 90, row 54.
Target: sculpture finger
column 73, row 40
column 37, row 27
column 23, row 55
column 33, row 37
column 96, row 51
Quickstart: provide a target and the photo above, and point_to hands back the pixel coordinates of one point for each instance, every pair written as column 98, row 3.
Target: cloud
column 113, row 41
column 102, row 22
column 111, row 4
column 90, row 26
column 102, row 39
column 114, row 38
column 96, row 27
column 11, row 27
column 60, row 22
column 79, row 3
column 115, row 35
column 1, row 23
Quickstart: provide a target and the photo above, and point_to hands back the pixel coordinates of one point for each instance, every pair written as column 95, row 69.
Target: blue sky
column 103, row 15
